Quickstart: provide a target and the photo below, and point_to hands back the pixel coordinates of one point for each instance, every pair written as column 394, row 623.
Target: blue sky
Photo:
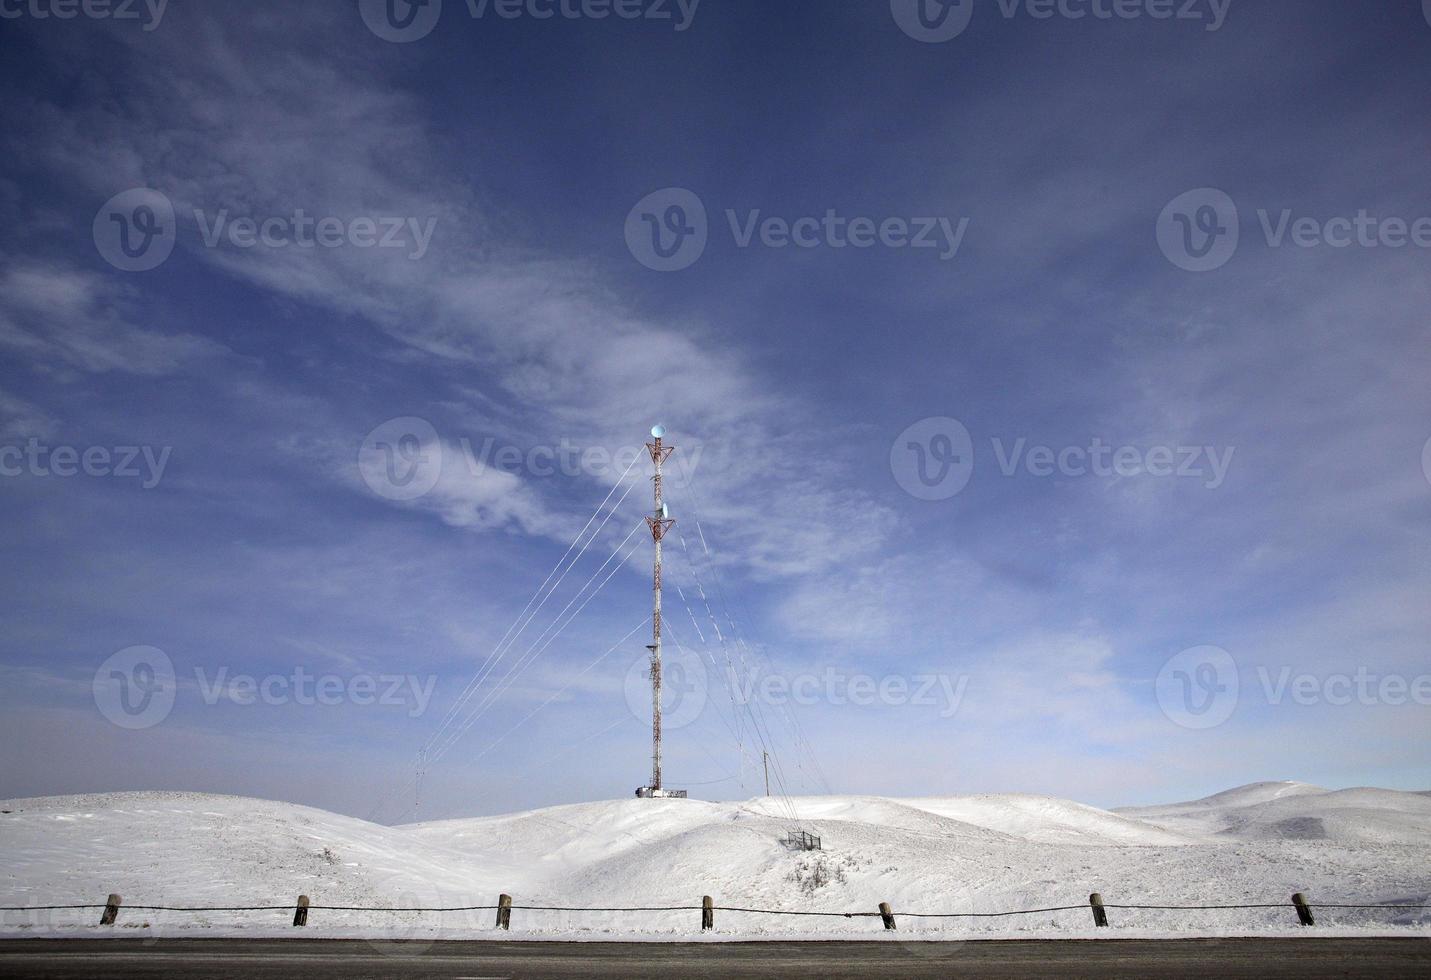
column 1285, row 388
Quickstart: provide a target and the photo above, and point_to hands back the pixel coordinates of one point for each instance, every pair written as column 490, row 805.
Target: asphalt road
column 355, row 960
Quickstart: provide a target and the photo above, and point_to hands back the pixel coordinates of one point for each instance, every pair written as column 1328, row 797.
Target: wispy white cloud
column 58, row 317
column 216, row 130
column 19, row 419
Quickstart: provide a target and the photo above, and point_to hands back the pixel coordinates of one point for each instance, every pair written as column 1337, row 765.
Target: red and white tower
column 659, row 522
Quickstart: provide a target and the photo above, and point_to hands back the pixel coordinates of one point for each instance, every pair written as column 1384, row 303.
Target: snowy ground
column 980, row 854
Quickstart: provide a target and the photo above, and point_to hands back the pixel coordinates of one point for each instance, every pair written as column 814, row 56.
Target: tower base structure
column 647, row 793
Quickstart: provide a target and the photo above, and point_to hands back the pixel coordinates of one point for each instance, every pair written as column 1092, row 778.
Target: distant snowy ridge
column 958, row 854
column 1299, row 811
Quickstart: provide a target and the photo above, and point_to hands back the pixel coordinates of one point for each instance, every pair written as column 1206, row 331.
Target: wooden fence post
column 300, row 914
column 504, row 912
column 1100, row 914
column 1304, row 911
column 887, row 914
column 111, row 910
column 707, row 914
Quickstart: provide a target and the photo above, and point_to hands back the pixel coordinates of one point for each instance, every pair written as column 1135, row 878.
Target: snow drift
column 962, row 854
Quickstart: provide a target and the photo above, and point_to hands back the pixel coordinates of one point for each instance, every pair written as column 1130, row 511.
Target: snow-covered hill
column 966, row 854
column 1297, row 811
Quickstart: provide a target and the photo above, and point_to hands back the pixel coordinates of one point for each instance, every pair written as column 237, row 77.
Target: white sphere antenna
column 658, row 431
